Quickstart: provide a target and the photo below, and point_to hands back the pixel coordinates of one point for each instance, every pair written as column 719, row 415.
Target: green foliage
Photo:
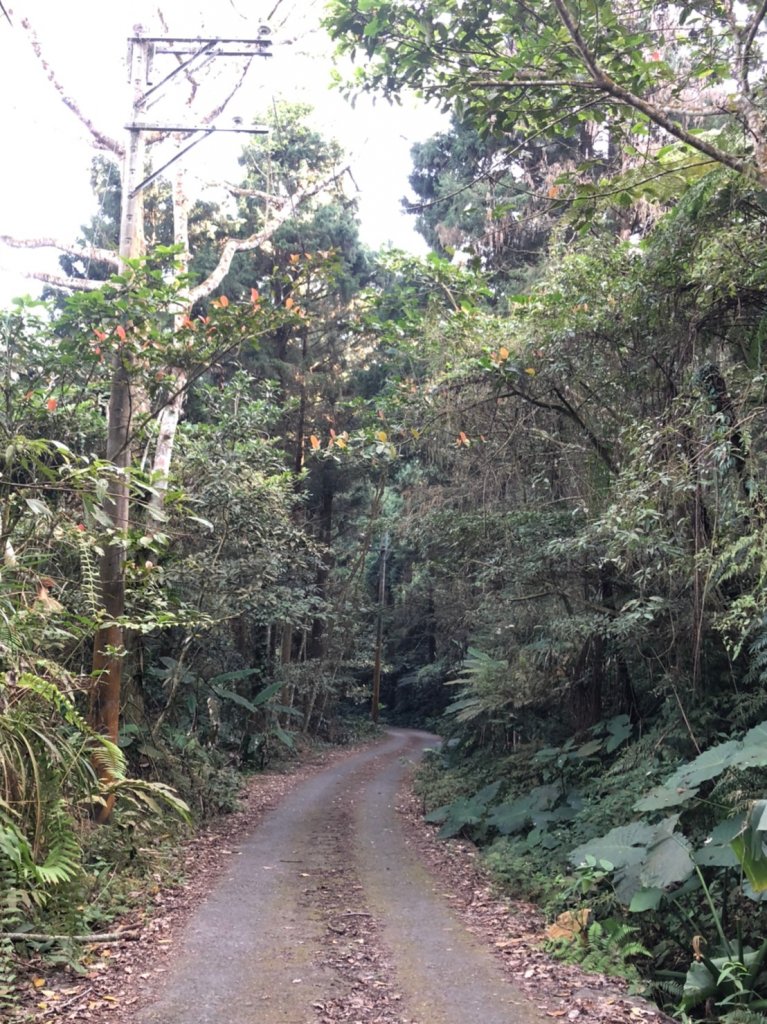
column 598, row 65
column 728, row 982
column 608, row 947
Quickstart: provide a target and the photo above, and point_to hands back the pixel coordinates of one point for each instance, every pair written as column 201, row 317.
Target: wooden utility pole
column 379, row 627
column 108, row 642
column 188, row 55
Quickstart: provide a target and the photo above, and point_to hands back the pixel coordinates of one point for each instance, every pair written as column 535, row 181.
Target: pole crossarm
column 179, row 46
column 188, row 129
column 183, row 66
column 199, row 52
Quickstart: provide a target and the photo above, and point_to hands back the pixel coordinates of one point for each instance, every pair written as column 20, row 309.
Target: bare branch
column 234, row 245
column 74, row 284
column 101, row 140
column 210, row 117
column 254, row 193
column 751, row 29
column 93, row 253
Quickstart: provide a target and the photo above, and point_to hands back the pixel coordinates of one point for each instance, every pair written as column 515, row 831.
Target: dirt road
column 326, row 915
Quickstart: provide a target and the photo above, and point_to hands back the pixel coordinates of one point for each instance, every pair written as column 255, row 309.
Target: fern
column 91, row 587
column 609, row 948
column 11, row 899
column 667, row 990
column 63, row 859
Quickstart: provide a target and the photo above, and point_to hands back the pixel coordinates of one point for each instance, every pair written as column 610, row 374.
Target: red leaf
column 51, row 404
column 120, row 332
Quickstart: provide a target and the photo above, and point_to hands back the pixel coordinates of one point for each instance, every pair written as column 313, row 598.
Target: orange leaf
column 503, row 353
column 314, row 441
column 553, row 192
column 254, row 296
column 289, row 303
column 120, row 332
column 51, row 404
column 223, row 301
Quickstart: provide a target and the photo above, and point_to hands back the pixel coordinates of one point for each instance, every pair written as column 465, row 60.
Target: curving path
column 327, row 915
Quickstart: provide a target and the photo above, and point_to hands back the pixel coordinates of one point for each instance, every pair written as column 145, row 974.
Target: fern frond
column 91, row 587
column 62, row 862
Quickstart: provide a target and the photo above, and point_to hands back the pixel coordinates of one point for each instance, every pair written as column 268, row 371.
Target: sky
column 45, row 174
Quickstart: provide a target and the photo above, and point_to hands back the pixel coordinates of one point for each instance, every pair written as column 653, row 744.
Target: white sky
column 47, row 152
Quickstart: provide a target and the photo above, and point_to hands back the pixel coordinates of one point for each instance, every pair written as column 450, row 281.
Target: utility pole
column 379, row 627
column 188, row 56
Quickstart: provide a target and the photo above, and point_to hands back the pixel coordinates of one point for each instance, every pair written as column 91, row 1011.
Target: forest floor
column 327, row 900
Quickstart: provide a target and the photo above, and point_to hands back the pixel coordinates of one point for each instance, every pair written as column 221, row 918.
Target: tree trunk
column 316, row 644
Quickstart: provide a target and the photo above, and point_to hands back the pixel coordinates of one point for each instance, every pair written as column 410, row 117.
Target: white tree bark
column 83, row 252
column 232, row 246
column 170, row 414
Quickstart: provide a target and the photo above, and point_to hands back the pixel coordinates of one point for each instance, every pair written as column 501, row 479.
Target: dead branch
column 234, row 245
column 255, row 193
column 101, row 938
column 93, row 253
column 213, row 114
column 76, row 284
column 102, row 141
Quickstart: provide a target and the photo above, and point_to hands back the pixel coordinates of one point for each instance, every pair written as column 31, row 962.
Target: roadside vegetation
column 518, row 484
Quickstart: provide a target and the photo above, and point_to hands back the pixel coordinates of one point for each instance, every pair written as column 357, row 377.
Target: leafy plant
column 609, row 947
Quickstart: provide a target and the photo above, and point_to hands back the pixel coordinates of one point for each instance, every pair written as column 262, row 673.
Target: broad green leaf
column 748, row 848
column 755, row 868
column 234, row 697
column 717, row 851
column 709, row 765
column 619, row 729
column 662, row 797
column 668, row 861
column 266, row 694
column 284, row 737
column 698, row 985
column 645, row 899
column 512, row 816
column 229, row 677
column 622, row 846
column 589, row 749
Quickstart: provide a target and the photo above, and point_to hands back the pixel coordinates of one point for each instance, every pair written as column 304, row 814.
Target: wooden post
column 108, row 642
